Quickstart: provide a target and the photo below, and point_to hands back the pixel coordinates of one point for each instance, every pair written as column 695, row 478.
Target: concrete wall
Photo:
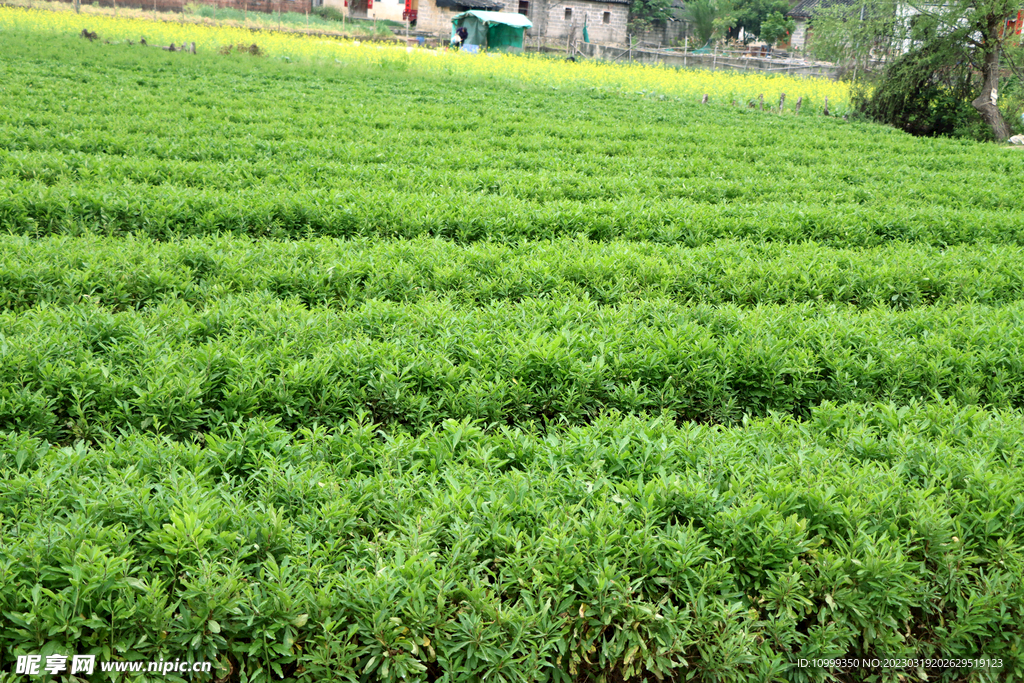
column 387, row 9
column 382, row 9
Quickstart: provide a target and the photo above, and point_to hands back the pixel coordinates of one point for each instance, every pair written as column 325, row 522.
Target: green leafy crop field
column 366, row 374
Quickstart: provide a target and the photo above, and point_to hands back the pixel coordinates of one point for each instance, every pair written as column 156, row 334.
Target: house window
column 568, row 13
column 606, row 17
column 524, row 7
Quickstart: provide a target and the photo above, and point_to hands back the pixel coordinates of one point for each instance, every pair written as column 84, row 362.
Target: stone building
column 553, row 20
column 435, row 16
column 556, row 20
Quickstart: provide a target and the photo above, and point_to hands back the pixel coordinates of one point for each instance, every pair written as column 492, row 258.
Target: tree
column 955, row 48
column 852, row 35
column 709, row 18
column 776, row 27
column 750, row 14
column 643, row 14
column 926, row 91
column 974, row 29
column 989, row 18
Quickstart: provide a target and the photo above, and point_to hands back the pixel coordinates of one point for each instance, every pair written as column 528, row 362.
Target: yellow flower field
column 722, row 86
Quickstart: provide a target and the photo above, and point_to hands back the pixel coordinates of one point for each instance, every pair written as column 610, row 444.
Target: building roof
column 507, row 18
column 607, row 2
column 493, row 5
column 805, row 9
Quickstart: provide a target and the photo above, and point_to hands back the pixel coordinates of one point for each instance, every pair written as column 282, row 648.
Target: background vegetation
column 928, row 69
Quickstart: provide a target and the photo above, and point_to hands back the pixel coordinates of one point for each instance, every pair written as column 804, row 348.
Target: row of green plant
column 167, row 213
column 223, row 144
column 134, row 273
column 624, row 550
column 85, row 372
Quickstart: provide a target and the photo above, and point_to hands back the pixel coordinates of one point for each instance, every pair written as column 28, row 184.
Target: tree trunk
column 986, row 101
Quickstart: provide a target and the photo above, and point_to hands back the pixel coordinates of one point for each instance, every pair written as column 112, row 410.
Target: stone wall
column 606, row 22
column 435, row 19
column 798, row 40
column 671, row 34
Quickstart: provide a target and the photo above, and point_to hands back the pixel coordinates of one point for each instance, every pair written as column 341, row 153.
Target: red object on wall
column 369, row 4
column 409, row 14
column 1013, row 25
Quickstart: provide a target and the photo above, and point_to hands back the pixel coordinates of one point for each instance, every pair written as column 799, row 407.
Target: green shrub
column 329, row 13
column 925, row 92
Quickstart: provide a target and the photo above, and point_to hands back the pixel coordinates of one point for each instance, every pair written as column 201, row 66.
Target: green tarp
column 492, row 30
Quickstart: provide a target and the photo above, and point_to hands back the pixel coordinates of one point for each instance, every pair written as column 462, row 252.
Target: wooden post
column 686, row 44
column 825, row 112
column 782, row 101
column 705, row 100
column 799, row 101
column 760, row 102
